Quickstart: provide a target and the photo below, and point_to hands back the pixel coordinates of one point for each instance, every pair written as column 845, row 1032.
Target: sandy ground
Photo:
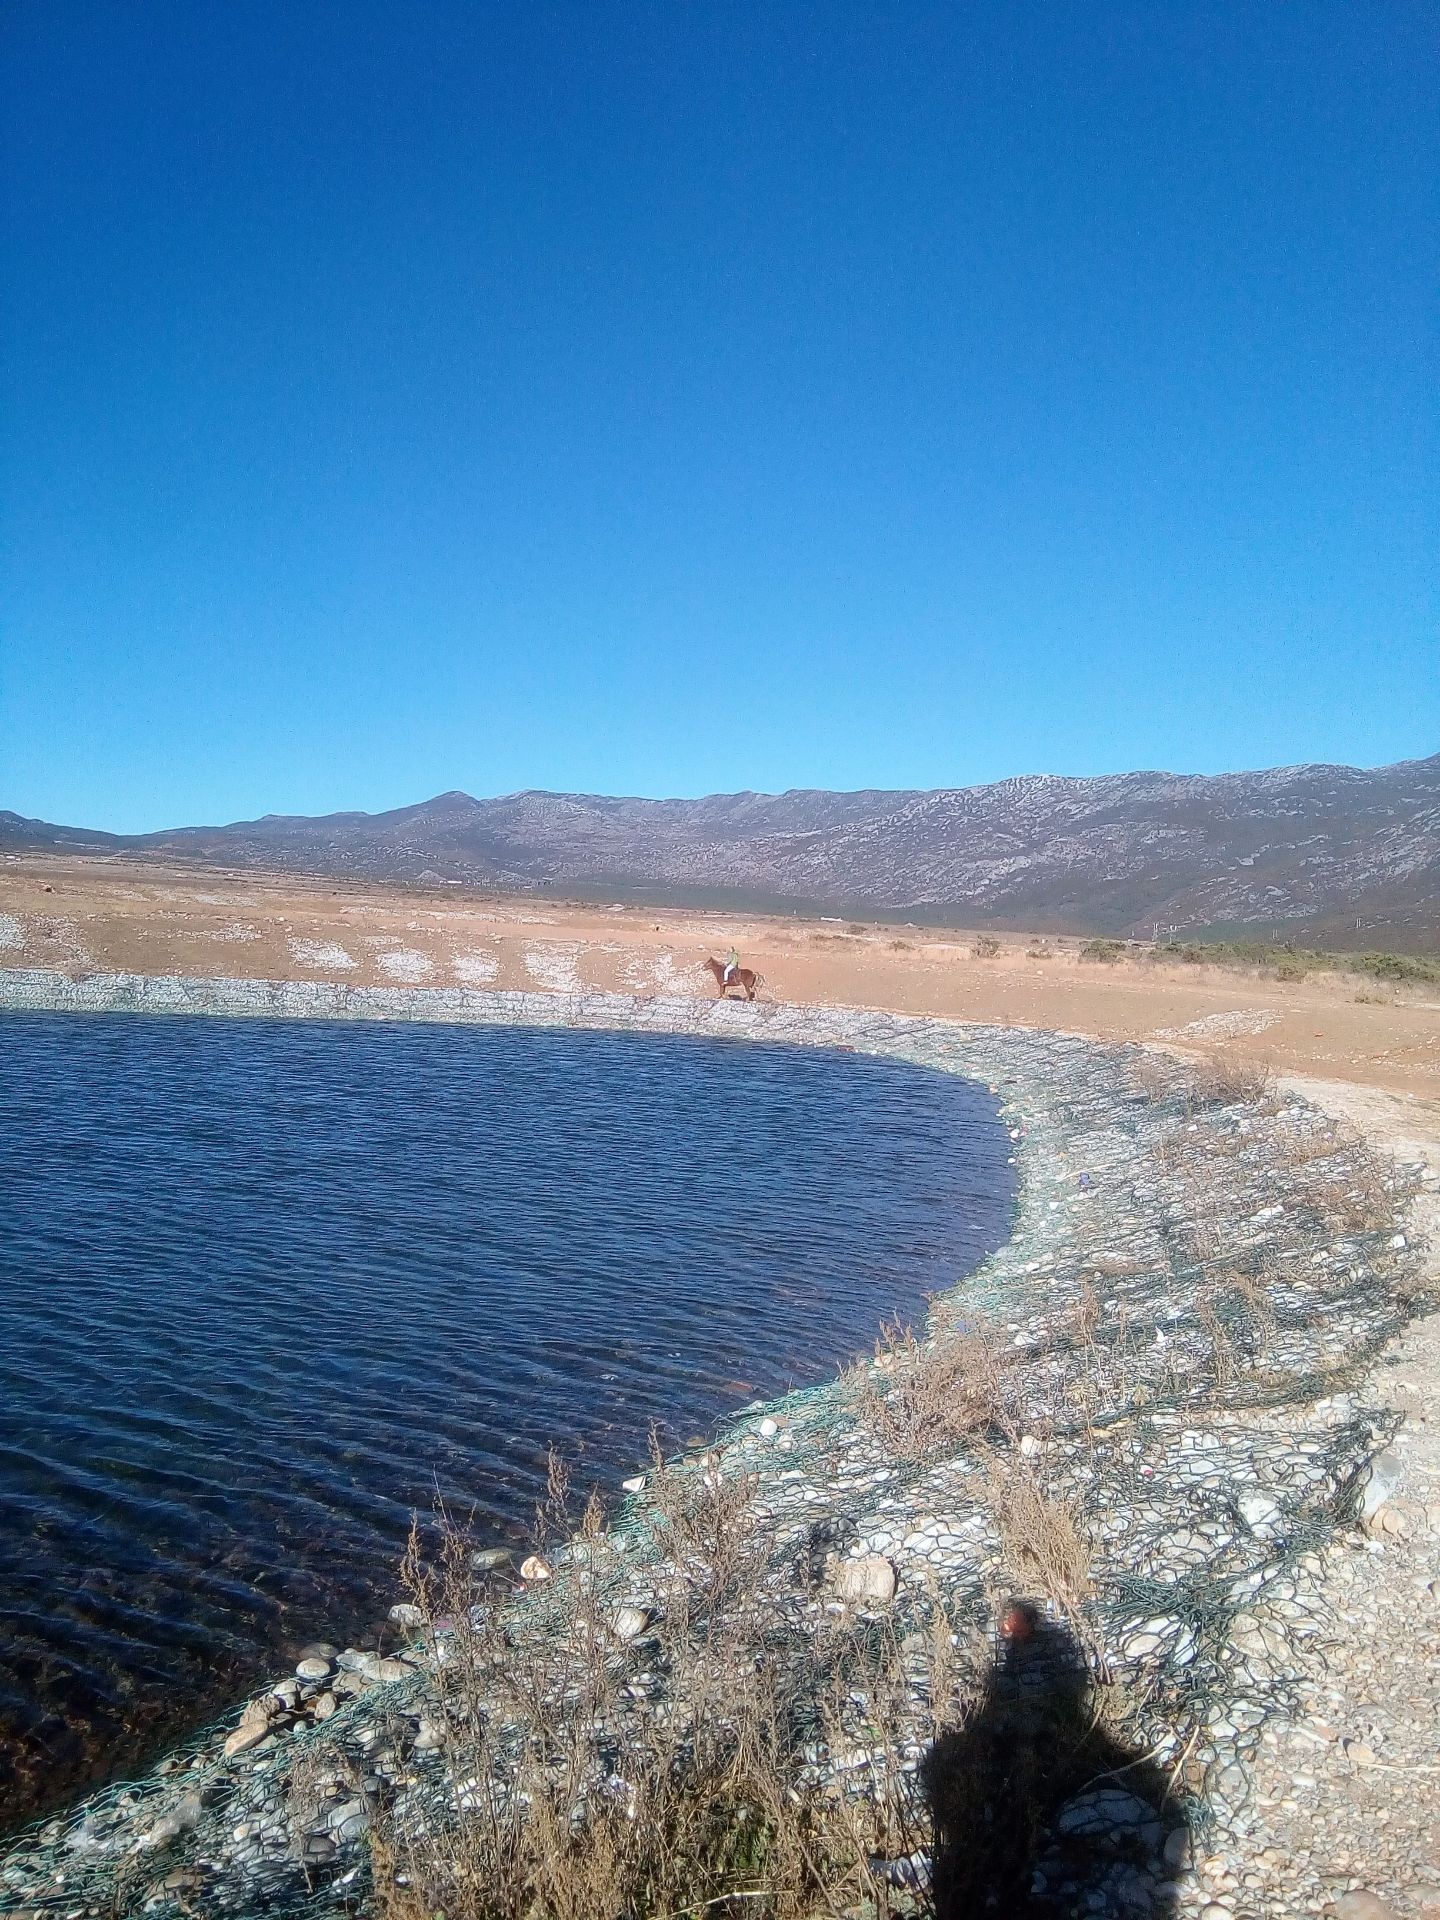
column 88, row 915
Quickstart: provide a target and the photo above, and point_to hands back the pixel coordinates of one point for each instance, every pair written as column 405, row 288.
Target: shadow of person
column 1036, row 1809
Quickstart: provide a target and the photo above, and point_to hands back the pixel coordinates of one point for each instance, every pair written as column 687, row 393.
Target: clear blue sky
column 679, row 397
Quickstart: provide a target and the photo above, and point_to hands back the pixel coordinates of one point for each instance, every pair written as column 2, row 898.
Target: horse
column 745, row 977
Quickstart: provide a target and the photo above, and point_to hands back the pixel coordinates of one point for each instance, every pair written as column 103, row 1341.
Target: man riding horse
column 729, row 973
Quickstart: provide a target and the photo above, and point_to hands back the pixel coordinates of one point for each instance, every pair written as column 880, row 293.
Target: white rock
column 628, row 1623
column 869, row 1580
column 1258, row 1511
column 182, row 1818
column 1382, row 1478
column 1103, row 1811
column 1363, row 1906
column 380, row 1671
column 1140, row 1646
column 768, row 1428
column 533, row 1567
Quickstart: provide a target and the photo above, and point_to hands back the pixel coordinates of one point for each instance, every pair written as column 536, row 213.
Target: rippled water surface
column 266, row 1288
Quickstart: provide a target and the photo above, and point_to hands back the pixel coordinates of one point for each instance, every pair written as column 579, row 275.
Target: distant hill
column 1329, row 855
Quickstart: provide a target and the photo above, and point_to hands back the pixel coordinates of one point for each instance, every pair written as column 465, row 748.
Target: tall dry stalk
column 665, row 1772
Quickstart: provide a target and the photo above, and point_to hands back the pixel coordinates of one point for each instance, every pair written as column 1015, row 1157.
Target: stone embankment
column 1154, row 1414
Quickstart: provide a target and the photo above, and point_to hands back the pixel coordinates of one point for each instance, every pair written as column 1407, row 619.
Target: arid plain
column 83, row 915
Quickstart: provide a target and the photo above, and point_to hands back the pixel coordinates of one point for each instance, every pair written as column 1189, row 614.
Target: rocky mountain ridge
column 1339, row 854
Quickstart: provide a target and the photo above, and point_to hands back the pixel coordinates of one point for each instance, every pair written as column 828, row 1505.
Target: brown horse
column 745, row 977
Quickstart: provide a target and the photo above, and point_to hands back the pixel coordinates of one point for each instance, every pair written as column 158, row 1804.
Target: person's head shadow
column 1036, row 1808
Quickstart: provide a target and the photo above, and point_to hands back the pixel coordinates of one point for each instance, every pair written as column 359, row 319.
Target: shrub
column 921, row 1398
column 1226, row 1078
column 986, row 947
column 658, row 1776
column 1106, row 950
column 1395, row 966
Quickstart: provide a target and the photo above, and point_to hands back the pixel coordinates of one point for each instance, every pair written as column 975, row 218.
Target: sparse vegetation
column 1041, row 1538
column 1107, row 951
column 1225, row 1077
column 1285, row 961
column 985, row 946
column 660, row 1772
column 923, row 1397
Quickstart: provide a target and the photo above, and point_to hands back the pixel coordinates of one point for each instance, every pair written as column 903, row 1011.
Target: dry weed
column 1226, row 1077
column 920, row 1398
column 656, row 1775
column 1154, row 1075
column 1041, row 1539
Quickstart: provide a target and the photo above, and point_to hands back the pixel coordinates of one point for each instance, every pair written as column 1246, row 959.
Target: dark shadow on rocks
column 1037, row 1810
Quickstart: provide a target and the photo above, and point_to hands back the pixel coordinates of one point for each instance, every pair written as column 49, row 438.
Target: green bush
column 1395, row 966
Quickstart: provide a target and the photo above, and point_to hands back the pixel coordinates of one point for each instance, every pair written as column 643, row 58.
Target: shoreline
column 1095, row 1220
column 77, row 915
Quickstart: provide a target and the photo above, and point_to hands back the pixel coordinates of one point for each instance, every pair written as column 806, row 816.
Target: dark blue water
column 267, row 1288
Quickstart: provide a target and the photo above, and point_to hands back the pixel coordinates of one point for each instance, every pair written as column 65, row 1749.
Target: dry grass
column 666, row 1774
column 985, row 946
column 1154, row 1075
column 921, row 1398
column 1225, row 1077
column 1041, row 1538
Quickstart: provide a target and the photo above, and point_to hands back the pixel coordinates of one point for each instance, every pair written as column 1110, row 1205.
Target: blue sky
column 669, row 399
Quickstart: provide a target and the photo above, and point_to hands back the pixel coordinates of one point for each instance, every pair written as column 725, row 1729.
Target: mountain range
column 1342, row 856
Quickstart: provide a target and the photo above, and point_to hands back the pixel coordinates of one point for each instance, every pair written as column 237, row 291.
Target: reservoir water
column 268, row 1288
